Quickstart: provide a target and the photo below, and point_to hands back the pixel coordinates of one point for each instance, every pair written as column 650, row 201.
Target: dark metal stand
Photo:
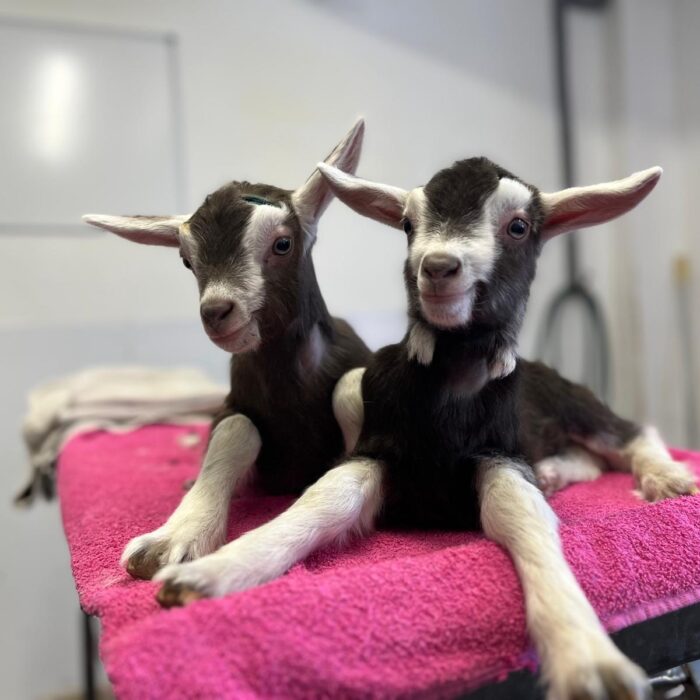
column 575, row 292
column 89, row 657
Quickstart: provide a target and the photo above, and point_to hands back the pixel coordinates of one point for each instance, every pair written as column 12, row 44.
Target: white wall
column 267, row 88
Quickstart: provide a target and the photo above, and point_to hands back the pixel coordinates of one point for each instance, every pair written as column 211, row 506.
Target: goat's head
column 249, row 246
column 475, row 231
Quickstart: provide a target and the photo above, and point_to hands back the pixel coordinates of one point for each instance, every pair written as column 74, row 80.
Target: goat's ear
column 312, row 198
column 578, row 207
column 383, row 203
column 150, row 230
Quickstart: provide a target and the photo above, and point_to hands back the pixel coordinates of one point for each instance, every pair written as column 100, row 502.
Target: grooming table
column 400, row 614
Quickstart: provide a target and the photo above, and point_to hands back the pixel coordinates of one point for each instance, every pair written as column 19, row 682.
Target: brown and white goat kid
column 438, row 434
column 249, row 247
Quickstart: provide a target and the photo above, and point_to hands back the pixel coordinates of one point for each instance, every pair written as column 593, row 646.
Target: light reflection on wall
column 57, row 93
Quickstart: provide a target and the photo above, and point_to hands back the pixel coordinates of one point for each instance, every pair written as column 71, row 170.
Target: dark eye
column 407, row 226
column 186, row 263
column 282, row 246
column 518, row 228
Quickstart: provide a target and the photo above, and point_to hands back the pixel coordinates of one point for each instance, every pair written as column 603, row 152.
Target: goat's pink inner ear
column 311, row 199
column 383, row 203
column 148, row 230
column 579, row 207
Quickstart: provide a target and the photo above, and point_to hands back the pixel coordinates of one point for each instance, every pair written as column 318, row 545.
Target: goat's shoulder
column 347, row 345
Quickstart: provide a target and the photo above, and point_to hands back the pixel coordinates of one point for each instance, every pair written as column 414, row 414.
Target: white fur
column 421, row 343
column 198, row 525
column 657, row 474
column 344, row 500
column 509, row 197
column 570, row 467
column 503, row 363
column 312, row 353
column 577, row 655
column 266, row 223
column 348, row 407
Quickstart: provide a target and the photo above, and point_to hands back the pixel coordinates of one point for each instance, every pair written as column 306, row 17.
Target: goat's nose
column 439, row 265
column 216, row 311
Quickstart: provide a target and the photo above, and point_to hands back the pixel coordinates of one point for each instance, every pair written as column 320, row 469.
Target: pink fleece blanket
column 396, row 615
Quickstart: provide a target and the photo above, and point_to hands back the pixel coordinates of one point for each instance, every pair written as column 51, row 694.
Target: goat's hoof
column 143, row 563
column 617, row 679
column 147, row 554
column 667, row 480
column 184, row 583
column 173, row 595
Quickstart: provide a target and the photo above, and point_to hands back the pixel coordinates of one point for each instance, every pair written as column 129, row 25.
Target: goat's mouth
column 244, row 338
column 448, row 309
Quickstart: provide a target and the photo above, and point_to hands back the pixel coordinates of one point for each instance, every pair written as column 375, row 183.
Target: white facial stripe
column 416, row 207
column 509, row 196
column 188, row 244
column 262, row 229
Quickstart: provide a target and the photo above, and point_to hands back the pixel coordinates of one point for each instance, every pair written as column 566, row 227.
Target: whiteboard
column 89, row 122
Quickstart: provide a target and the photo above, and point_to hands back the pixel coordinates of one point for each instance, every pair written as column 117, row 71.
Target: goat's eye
column 282, row 245
column 186, row 263
column 518, row 228
column 407, row 226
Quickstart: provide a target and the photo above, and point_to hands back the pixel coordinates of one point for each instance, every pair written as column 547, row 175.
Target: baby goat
column 437, row 414
column 249, row 247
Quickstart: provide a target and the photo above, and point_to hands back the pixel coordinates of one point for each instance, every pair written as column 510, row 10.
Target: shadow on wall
column 464, row 36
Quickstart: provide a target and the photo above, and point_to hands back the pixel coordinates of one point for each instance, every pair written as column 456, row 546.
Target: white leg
column 579, row 660
column 655, row 471
column 657, row 474
column 198, row 525
column 570, row 467
column 345, row 499
column 348, row 408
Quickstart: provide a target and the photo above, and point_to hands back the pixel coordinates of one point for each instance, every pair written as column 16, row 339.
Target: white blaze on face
column 188, row 245
column 476, row 246
column 246, row 288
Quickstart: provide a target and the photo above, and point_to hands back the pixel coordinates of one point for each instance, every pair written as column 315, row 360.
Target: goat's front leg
column 579, row 660
column 198, row 525
column 345, row 499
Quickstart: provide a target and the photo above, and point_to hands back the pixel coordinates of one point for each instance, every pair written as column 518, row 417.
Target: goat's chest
column 300, row 437
column 431, row 439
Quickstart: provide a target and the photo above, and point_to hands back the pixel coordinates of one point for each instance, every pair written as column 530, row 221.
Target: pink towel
column 398, row 614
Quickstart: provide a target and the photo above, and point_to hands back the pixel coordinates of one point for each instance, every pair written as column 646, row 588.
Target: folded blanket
column 111, row 398
column 399, row 614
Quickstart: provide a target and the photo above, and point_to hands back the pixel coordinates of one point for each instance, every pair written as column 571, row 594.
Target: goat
column 437, row 414
column 249, row 247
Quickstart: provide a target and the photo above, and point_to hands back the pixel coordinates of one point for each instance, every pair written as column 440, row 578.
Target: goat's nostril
column 214, row 312
column 439, row 265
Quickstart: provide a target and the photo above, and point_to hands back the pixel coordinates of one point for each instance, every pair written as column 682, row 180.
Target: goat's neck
column 302, row 343
column 458, row 359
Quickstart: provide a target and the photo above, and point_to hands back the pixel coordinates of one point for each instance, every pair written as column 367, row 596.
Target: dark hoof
column 144, row 564
column 173, row 595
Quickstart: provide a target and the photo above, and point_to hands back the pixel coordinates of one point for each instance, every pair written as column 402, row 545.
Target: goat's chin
column 246, row 338
column 449, row 313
